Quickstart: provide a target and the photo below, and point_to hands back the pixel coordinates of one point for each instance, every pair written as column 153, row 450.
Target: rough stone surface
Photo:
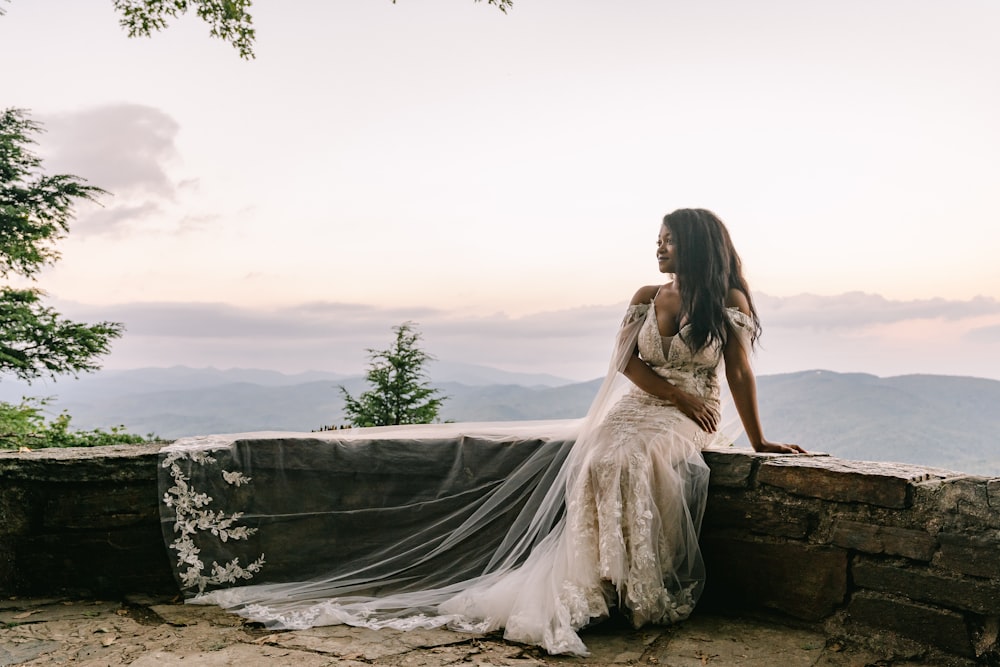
column 14, row 509
column 940, row 627
column 778, row 533
column 882, row 484
column 8, row 565
column 98, row 506
column 929, row 585
column 730, row 467
column 978, row 555
column 968, row 493
column 113, row 463
column 36, row 632
column 877, row 539
column 967, row 496
column 801, row 580
column 105, row 563
column 985, row 633
column 763, row 517
column 993, row 494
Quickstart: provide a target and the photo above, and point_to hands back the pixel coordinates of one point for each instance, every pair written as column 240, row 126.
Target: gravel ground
column 145, row 632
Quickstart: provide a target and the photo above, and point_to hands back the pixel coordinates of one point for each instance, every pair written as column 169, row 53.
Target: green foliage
column 229, row 20
column 25, row 426
column 35, row 210
column 502, row 5
column 400, row 393
column 35, row 340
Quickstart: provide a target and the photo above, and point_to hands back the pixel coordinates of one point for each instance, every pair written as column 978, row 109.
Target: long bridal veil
column 384, row 527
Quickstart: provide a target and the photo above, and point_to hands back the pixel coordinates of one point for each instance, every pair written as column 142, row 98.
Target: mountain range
column 935, row 420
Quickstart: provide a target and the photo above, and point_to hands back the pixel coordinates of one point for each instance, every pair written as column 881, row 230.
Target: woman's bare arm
column 743, row 385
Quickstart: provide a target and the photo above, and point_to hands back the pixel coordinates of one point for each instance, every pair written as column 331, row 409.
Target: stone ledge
column 730, row 467
column 840, row 480
column 81, row 464
column 963, row 495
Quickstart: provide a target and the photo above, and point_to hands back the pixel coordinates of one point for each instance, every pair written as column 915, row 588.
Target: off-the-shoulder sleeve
column 628, row 334
column 741, row 324
column 635, row 313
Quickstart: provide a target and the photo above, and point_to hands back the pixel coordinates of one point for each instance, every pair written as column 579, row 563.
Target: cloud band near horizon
column 852, row 332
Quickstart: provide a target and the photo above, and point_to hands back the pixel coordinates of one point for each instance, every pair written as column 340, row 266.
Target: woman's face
column 666, row 252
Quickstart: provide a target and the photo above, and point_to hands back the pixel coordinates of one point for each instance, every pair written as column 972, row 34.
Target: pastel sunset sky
column 500, row 179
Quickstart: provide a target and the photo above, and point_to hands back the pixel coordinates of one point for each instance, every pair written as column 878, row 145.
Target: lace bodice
column 672, row 358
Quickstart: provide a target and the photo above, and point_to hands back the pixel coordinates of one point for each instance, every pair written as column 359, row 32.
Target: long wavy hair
column 707, row 267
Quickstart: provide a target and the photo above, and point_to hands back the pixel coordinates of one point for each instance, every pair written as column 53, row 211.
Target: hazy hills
column 178, row 401
column 944, row 421
column 938, row 420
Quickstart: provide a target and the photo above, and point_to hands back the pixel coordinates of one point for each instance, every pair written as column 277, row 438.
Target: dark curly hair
column 707, row 267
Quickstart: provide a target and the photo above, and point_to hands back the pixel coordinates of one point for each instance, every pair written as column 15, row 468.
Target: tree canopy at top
column 229, row 20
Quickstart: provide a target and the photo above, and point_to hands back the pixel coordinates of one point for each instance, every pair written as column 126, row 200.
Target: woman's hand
column 779, row 448
column 692, row 405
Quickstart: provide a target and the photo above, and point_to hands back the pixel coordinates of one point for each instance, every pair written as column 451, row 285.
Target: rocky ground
column 146, row 632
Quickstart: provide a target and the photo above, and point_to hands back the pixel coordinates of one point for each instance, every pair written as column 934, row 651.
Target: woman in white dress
column 637, row 482
column 609, row 514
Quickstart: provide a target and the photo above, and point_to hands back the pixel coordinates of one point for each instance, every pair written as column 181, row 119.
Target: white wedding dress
column 606, row 516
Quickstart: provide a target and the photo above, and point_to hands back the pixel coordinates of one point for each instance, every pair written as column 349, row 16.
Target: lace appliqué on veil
column 195, row 522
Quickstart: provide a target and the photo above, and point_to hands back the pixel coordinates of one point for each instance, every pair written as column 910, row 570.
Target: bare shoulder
column 738, row 299
column 644, row 294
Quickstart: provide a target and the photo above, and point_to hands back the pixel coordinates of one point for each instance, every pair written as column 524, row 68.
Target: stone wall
column 82, row 521
column 893, row 554
column 902, row 558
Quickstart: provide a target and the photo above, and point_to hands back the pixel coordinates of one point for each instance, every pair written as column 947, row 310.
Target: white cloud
column 987, row 334
column 129, row 150
column 123, row 148
column 883, row 337
column 857, row 309
column 116, row 220
column 334, row 336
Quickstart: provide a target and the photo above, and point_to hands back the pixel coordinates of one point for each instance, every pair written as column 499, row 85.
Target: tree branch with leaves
column 229, row 20
column 35, row 210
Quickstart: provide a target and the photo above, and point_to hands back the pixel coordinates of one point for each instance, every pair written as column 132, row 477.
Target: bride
column 599, row 514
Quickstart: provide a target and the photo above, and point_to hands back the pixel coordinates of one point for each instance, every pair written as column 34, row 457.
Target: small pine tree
column 400, row 392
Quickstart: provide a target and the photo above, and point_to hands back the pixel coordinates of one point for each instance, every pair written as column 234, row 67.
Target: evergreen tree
column 35, row 210
column 400, row 392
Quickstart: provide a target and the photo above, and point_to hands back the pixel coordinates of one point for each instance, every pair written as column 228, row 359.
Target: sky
column 499, row 179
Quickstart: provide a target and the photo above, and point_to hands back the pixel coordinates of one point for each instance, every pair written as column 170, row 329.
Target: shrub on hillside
column 25, row 426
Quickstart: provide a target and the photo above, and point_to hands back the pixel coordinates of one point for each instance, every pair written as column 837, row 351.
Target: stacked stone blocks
column 900, row 557
column 890, row 554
